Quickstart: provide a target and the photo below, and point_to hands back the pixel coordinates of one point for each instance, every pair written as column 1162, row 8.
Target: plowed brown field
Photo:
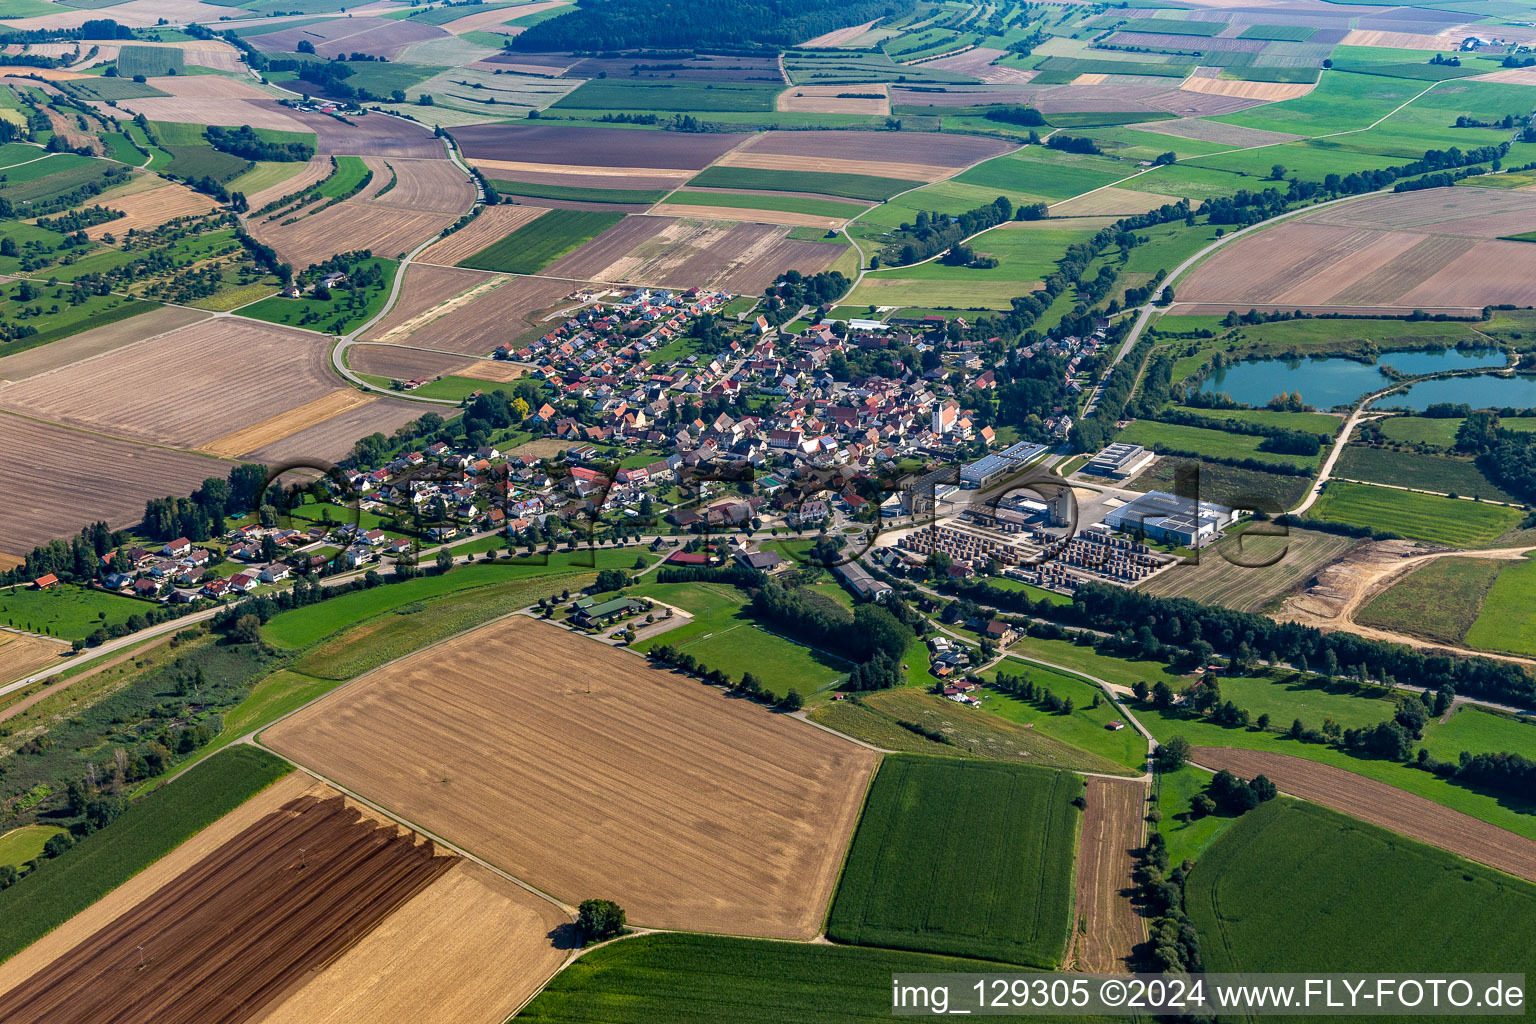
column 332, row 439
column 490, row 318
column 186, row 387
column 96, row 341
column 431, row 292
column 1380, row 804
column 240, row 928
column 1112, row 830
column 399, row 362
column 582, row 769
column 287, row 423
column 493, row 224
column 835, row 99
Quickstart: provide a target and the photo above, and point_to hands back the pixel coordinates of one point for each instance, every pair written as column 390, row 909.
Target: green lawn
column 1085, row 727
column 1460, row 524
column 1296, row 887
column 1505, row 622
column 1086, row 661
column 66, row 611
column 724, row 635
column 23, row 844
column 1012, row 827
column 541, row 242
column 1176, row 437
column 852, row 186
column 147, row 831
column 345, row 310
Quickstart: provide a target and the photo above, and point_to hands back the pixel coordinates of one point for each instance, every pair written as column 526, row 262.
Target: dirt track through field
column 239, row 928
column 581, row 769
column 1380, row 804
column 1112, row 830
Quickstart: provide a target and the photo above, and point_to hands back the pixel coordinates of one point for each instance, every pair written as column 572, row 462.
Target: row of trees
column 749, row 685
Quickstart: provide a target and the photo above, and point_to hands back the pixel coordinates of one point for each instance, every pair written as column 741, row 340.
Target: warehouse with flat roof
column 999, row 464
column 1166, row 517
column 1120, row 459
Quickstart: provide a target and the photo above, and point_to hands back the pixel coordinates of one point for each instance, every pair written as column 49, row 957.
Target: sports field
column 1457, row 524
column 962, row 857
column 1357, row 898
column 537, row 244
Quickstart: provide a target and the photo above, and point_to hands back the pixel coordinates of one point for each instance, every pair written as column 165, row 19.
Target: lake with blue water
column 1325, row 383
column 1485, row 392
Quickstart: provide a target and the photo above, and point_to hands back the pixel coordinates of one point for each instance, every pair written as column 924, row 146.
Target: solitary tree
column 1172, row 755
column 599, row 920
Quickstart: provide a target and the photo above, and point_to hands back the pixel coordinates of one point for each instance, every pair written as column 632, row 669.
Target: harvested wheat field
column 887, row 154
column 1449, row 40
column 57, row 480
column 314, row 172
column 1215, row 131
column 20, row 653
column 1509, row 76
column 373, row 135
column 492, row 317
column 427, row 186
column 493, row 224
column 467, row 950
column 330, row 440
column 152, row 208
column 241, row 927
column 214, row 111
column 584, row 769
column 495, row 21
column 287, row 423
column 401, row 362
column 428, row 293
column 95, row 342
column 1490, row 273
column 731, row 213
column 838, row 36
column 1468, row 212
column 186, row 387
column 836, row 99
column 207, row 87
column 1112, row 831
column 743, row 258
column 1110, row 202
column 1269, row 92
column 1380, row 804
column 206, row 53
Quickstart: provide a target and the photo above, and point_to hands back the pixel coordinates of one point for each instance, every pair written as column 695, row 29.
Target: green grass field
column 851, row 186
column 264, row 174
column 144, row 833
column 643, row 197
column 962, row 857
column 610, row 94
column 1205, row 441
column 23, row 844
column 1341, row 102
column 1415, row 469
column 344, row 311
column 539, row 243
column 1440, row 600
column 65, row 611
column 1046, row 173
column 691, row 979
column 150, row 61
column 1187, row 836
column 1085, row 727
column 1458, row 524
column 1284, row 33
column 724, row 635
column 1356, row 898
column 203, row 161
column 345, row 179
column 1505, row 622
column 1024, row 255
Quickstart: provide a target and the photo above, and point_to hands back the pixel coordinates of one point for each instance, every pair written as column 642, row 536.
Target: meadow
column 1341, row 102
column 609, row 94
column 1357, row 898
column 579, row 193
column 724, row 635
column 1187, row 836
column 66, row 611
column 850, row 186
column 1046, row 173
column 1426, row 517
column 1440, row 600
column 345, row 309
column 1085, row 727
column 145, row 832
column 541, row 242
column 150, row 61
column 1505, row 622
column 1414, row 469
column 1177, row 437
column 23, row 844
column 70, row 318
column 348, row 176
column 962, row 857
column 754, row 201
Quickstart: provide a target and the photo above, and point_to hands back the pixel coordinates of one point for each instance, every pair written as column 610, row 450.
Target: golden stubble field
column 586, row 772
